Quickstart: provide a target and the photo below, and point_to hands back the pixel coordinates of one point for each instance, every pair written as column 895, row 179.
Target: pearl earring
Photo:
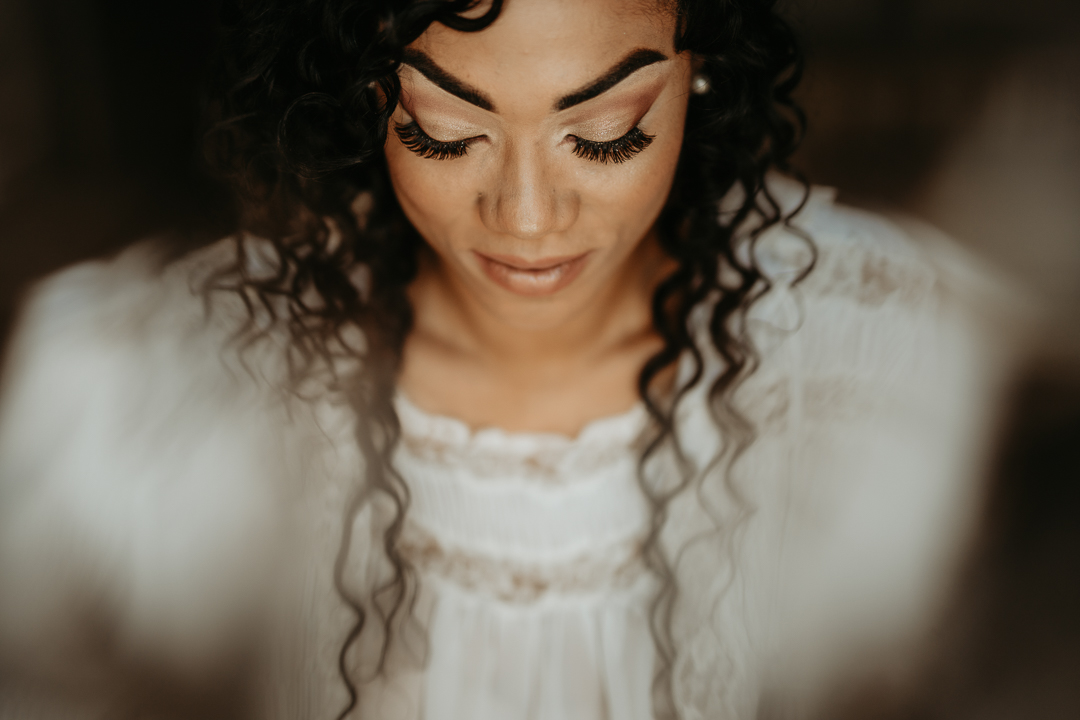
column 700, row 84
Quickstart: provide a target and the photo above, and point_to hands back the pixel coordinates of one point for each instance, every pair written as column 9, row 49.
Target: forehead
column 549, row 47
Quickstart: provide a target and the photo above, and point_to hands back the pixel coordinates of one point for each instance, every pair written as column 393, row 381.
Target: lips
column 542, row 276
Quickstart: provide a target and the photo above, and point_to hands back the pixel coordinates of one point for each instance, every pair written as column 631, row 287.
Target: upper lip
column 520, row 263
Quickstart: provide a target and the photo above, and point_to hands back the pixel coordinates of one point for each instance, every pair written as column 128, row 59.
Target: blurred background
column 965, row 113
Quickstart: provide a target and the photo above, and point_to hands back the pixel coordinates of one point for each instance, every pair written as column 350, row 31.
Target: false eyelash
column 614, row 151
column 425, row 146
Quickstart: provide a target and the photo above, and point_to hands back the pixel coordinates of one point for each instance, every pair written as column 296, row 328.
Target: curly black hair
column 302, row 97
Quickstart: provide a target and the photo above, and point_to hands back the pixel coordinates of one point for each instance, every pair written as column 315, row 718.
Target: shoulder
column 874, row 260
column 140, row 297
column 857, row 256
column 139, row 464
column 897, row 350
column 121, row 343
column 886, row 295
column 865, row 257
column 144, row 318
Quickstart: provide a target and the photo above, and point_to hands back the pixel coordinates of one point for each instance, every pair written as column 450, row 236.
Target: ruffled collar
column 492, row 451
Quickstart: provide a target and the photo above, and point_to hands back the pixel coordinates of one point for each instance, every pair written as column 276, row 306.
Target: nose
column 526, row 199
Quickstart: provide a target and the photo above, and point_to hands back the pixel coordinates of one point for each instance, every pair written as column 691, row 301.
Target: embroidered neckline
column 613, row 567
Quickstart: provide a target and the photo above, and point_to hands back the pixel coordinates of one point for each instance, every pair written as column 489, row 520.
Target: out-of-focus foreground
column 965, row 113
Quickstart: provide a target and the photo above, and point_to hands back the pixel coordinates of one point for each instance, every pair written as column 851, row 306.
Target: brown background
column 963, row 112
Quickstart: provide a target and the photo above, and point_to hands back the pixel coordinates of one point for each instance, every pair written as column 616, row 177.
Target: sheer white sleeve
column 140, row 480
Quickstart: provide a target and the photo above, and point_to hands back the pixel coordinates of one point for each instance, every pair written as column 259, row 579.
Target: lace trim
column 553, row 466
column 494, row 454
column 615, row 567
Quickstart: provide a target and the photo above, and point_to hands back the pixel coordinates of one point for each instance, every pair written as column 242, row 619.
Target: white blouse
column 143, row 466
column 530, row 544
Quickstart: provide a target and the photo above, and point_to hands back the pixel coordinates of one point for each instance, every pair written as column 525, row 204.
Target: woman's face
column 534, row 156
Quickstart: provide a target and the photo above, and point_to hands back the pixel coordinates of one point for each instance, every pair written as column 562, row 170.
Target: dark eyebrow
column 427, row 67
column 629, row 65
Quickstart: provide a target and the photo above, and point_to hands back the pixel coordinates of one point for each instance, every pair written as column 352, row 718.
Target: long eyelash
column 425, row 146
column 613, row 151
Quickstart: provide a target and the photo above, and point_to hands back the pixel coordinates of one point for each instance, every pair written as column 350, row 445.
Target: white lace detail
column 491, row 453
column 612, row 567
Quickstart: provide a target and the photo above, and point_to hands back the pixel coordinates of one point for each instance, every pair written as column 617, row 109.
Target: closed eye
column 613, row 151
column 418, row 141
column 616, row 151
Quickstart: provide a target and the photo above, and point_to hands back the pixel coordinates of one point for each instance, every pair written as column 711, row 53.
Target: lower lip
column 533, row 282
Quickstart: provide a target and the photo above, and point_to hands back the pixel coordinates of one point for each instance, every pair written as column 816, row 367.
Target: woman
column 527, row 388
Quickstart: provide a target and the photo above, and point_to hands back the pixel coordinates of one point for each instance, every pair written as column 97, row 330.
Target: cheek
column 435, row 195
column 630, row 196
